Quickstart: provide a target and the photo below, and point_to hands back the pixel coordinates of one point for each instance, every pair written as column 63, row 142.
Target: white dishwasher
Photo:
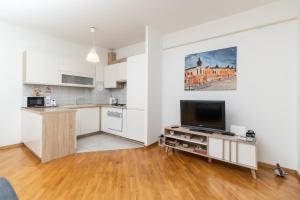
column 115, row 119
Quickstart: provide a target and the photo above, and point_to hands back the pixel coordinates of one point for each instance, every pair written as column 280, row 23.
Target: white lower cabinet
column 215, row 148
column 226, row 150
column 136, row 125
column 32, row 131
column 240, row 153
column 246, row 154
column 233, row 146
column 87, row 120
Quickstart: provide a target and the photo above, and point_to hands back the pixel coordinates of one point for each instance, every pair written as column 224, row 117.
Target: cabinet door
column 246, row 154
column 136, row 82
column 110, row 77
column 226, row 150
column 32, row 131
column 233, row 151
column 136, row 125
column 76, row 80
column 40, row 68
column 89, row 120
column 215, row 148
column 77, row 66
column 121, row 72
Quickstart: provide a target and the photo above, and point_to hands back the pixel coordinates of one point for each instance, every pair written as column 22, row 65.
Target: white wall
column 153, row 53
column 266, row 95
column 131, row 50
column 13, row 41
column 270, row 13
column 269, row 49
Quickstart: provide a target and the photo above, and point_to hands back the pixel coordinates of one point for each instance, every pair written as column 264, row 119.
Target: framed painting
column 211, row 70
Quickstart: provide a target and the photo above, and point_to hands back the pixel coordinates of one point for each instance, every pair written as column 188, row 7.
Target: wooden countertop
column 92, row 106
column 42, row 111
column 68, row 108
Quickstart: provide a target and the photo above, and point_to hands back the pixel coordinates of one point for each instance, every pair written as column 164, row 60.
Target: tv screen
column 203, row 114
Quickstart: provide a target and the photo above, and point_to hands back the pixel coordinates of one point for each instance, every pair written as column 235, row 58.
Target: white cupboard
column 109, row 77
column 136, row 82
column 240, row 153
column 215, row 148
column 233, row 152
column 121, row 72
column 40, row 68
column 246, row 154
column 136, row 125
column 88, row 120
column 114, row 75
column 226, row 148
column 45, row 68
column 32, row 131
column 77, row 66
column 76, row 73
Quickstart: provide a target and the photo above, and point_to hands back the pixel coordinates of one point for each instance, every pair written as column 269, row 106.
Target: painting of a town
column 211, row 70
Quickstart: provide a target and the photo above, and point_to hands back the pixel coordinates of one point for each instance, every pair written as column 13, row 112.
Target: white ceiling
column 119, row 22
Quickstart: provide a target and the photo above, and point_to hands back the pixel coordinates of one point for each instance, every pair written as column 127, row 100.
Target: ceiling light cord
column 93, row 32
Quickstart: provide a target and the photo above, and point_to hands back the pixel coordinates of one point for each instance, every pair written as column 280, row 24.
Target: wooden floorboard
column 141, row 174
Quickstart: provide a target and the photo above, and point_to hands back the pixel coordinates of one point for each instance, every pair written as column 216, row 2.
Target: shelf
column 186, row 140
column 190, row 150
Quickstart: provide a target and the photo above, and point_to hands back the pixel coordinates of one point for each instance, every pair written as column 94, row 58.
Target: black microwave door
column 35, row 101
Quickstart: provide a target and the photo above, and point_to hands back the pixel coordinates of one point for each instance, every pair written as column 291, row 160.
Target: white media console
column 225, row 148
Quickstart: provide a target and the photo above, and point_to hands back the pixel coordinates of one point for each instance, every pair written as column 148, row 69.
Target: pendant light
column 92, row 55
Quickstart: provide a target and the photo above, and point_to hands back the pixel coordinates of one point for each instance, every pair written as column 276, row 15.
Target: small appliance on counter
column 39, row 101
column 113, row 100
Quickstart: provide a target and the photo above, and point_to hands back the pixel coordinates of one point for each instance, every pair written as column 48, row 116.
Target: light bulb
column 93, row 56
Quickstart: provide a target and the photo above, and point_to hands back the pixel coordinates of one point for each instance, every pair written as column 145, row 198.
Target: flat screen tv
column 203, row 115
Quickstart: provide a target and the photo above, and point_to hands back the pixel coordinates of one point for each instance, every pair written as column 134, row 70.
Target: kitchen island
column 49, row 132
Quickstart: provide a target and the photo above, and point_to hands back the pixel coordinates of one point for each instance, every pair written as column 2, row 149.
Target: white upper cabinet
column 109, row 80
column 49, row 69
column 136, row 82
column 40, row 68
column 77, row 66
column 121, row 72
column 114, row 75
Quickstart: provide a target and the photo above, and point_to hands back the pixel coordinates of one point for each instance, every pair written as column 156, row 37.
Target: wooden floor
column 145, row 173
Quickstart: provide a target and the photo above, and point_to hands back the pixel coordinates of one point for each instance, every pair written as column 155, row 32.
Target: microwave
column 39, row 102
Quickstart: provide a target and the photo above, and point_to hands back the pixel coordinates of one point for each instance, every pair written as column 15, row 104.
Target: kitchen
column 98, row 107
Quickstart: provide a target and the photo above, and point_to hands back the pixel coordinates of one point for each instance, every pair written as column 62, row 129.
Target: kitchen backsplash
column 73, row 95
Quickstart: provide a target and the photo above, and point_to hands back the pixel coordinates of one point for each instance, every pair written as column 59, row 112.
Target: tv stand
column 230, row 149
